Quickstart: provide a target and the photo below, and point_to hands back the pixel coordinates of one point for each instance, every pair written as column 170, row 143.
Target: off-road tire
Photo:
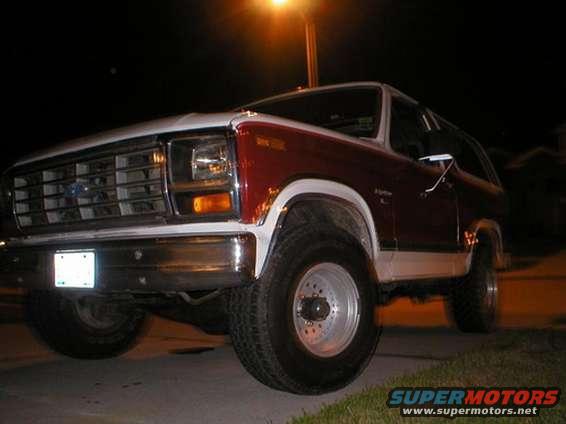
column 55, row 319
column 472, row 301
column 261, row 315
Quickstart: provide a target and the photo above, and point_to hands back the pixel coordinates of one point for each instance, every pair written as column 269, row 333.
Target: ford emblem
column 75, row 190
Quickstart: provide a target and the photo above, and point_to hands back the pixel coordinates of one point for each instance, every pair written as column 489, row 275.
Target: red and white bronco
column 284, row 222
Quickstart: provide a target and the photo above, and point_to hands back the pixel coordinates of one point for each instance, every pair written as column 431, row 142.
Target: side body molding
column 266, row 232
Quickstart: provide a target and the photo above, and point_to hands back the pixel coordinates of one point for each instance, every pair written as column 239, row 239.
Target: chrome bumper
column 148, row 265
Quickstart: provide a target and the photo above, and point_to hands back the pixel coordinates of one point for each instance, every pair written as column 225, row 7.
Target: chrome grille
column 99, row 187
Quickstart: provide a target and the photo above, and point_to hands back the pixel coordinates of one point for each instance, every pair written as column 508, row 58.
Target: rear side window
column 353, row 112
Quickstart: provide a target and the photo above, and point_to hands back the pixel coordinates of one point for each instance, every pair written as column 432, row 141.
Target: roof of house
column 522, row 159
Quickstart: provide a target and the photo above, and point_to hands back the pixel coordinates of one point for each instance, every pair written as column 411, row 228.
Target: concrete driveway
column 171, row 377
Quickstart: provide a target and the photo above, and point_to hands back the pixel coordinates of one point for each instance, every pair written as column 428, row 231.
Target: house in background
column 536, row 184
column 561, row 137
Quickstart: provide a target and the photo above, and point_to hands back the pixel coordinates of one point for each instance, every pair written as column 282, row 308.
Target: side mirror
column 436, row 158
column 443, row 158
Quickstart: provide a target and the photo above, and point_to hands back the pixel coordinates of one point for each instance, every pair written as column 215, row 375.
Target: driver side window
column 408, row 129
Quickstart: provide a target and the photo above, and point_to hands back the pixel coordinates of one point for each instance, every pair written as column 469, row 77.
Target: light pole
column 312, row 54
column 311, row 43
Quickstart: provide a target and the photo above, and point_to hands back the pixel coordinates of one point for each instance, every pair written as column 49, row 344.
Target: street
column 180, row 375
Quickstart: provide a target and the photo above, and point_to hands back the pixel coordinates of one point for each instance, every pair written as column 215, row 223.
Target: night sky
column 497, row 69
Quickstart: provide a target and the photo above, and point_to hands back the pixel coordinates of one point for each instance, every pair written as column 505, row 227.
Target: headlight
column 210, row 161
column 202, row 175
column 199, row 159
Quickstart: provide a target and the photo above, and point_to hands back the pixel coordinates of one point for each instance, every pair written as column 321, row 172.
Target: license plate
column 75, row 269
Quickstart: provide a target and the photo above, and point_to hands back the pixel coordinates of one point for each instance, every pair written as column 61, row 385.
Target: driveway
column 179, row 375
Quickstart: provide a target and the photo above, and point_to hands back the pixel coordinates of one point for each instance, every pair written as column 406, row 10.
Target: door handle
column 441, row 179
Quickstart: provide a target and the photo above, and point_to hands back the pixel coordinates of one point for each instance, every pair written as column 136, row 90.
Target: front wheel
column 84, row 327
column 307, row 326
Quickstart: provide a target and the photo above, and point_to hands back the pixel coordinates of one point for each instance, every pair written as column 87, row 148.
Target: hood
column 193, row 121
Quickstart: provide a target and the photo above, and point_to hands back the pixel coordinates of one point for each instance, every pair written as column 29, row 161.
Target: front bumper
column 148, row 265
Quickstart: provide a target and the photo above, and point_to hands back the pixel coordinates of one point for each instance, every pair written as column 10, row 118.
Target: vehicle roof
column 302, row 91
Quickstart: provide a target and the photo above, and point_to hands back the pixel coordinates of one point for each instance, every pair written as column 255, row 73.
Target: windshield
column 353, row 111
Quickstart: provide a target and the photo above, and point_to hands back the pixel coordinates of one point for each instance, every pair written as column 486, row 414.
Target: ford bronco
column 284, row 222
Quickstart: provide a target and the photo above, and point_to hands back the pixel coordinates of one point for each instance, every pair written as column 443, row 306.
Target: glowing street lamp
column 311, row 43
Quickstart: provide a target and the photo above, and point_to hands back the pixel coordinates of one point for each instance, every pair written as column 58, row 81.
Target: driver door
column 426, row 226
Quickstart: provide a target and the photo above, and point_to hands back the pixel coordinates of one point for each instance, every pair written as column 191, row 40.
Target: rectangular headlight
column 199, row 159
column 210, row 161
column 201, row 168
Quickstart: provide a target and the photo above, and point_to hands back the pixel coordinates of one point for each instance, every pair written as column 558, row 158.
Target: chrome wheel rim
column 326, row 309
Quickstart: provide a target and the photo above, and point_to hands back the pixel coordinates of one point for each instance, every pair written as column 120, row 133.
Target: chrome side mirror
column 437, row 159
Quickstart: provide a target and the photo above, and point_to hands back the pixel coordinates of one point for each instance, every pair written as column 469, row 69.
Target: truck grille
column 92, row 188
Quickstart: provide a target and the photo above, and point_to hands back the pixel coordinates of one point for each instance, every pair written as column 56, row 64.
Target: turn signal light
column 212, row 203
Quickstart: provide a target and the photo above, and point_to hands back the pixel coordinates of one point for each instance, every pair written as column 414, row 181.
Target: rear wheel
column 84, row 327
column 308, row 325
column 472, row 302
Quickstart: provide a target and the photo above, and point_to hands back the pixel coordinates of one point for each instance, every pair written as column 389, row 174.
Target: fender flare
column 266, row 232
column 492, row 229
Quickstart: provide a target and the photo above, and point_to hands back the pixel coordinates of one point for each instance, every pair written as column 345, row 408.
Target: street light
column 312, row 53
column 311, row 43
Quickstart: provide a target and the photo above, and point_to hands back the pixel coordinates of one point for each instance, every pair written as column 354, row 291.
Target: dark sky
column 497, row 68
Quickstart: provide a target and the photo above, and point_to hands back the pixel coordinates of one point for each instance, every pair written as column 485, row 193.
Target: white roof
column 301, row 91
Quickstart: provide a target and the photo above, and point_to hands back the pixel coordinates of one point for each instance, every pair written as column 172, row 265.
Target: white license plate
column 75, row 269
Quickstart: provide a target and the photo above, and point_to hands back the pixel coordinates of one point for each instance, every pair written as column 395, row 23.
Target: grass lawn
column 517, row 358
